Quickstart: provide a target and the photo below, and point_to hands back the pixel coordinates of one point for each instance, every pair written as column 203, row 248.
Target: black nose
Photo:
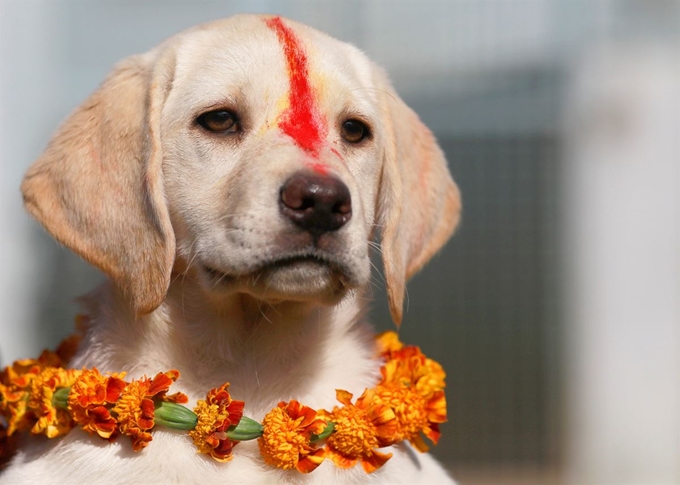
column 316, row 203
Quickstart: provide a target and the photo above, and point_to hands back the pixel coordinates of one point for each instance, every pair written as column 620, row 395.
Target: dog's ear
column 418, row 202
column 98, row 186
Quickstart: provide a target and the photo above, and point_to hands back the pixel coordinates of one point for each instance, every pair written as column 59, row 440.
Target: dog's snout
column 316, row 203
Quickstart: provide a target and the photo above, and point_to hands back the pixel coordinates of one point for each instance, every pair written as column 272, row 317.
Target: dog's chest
column 171, row 459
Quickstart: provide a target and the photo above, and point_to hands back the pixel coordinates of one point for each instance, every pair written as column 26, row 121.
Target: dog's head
column 255, row 151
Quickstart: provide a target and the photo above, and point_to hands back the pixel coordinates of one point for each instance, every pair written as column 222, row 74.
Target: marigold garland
column 44, row 397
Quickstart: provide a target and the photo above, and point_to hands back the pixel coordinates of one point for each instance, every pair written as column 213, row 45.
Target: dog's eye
column 354, row 131
column 219, row 121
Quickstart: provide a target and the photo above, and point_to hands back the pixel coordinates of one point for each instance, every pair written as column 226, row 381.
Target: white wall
column 622, row 263
column 27, row 110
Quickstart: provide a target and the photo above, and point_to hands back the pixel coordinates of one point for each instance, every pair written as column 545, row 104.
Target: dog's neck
column 268, row 352
column 234, row 327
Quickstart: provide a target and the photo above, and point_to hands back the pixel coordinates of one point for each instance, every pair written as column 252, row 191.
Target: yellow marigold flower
column 430, row 378
column 15, row 390
column 414, row 413
column 409, row 367
column 15, row 386
column 285, row 441
column 215, row 415
column 19, row 375
column 13, row 408
column 134, row 409
column 88, row 399
column 51, row 421
column 388, row 342
column 360, row 428
column 412, row 385
column 134, row 413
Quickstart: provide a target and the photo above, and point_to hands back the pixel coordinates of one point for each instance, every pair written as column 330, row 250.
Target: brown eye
column 219, row 121
column 354, row 131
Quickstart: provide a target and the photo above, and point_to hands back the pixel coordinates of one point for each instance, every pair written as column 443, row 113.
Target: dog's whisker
column 376, row 273
column 219, row 280
column 264, row 315
column 272, row 308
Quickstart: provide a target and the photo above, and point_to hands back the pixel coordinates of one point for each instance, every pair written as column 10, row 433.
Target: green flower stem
column 246, row 429
column 330, row 427
column 175, row 416
column 60, row 397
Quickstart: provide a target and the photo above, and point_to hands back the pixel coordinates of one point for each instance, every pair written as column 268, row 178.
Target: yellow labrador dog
column 229, row 183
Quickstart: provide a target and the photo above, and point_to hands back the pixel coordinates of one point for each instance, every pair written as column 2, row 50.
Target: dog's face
column 255, row 151
column 271, row 166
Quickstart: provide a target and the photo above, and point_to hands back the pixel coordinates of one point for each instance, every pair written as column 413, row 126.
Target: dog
column 230, row 183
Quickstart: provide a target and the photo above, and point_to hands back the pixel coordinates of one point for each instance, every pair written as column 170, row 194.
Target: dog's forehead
column 259, row 54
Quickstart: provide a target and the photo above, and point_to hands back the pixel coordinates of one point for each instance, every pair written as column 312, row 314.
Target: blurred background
column 555, row 309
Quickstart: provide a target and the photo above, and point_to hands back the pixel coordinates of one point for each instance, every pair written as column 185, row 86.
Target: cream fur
column 130, row 183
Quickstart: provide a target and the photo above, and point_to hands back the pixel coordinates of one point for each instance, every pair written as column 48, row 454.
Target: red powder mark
column 301, row 121
column 319, row 168
column 337, row 153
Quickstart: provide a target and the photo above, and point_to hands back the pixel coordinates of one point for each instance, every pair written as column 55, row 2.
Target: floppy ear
column 98, row 186
column 418, row 201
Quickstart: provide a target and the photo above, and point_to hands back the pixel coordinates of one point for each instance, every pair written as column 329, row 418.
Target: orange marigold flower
column 412, row 385
column 215, row 415
column 360, row 428
column 15, row 386
column 51, row 421
column 134, row 409
column 90, row 394
column 285, row 441
column 13, row 408
column 409, row 367
column 388, row 342
column 414, row 413
column 20, row 374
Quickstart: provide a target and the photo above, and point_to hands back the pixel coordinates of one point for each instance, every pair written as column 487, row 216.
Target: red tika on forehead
column 301, row 121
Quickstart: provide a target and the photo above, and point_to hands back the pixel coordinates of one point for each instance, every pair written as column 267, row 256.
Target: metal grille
column 485, row 307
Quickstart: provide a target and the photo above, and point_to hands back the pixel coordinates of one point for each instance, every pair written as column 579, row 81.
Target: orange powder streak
column 302, row 120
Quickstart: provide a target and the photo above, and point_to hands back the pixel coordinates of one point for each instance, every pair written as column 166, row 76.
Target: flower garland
column 43, row 397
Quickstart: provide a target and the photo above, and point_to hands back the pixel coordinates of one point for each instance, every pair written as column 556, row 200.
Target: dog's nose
column 316, row 203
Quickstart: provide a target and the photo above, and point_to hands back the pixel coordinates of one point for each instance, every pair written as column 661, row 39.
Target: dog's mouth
column 275, row 264
column 295, row 277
